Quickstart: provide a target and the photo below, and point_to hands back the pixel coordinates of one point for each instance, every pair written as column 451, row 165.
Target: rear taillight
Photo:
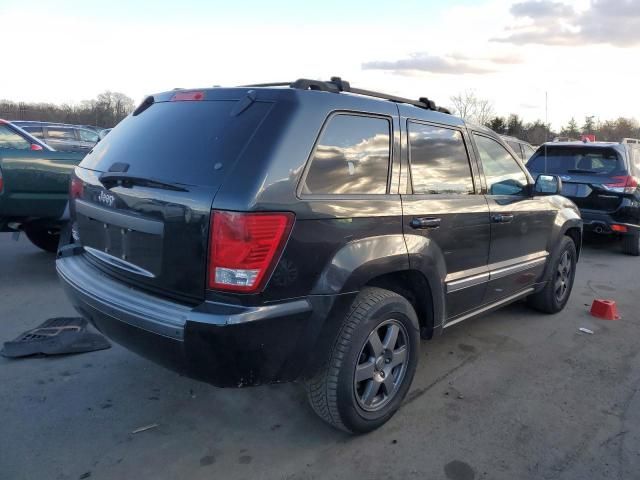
column 622, row 184
column 35, row 147
column 76, row 187
column 244, row 249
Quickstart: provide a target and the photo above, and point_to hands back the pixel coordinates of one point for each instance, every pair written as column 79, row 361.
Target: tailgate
column 143, row 210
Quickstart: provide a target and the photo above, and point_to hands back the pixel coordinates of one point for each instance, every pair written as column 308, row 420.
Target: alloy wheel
column 382, row 365
column 563, row 277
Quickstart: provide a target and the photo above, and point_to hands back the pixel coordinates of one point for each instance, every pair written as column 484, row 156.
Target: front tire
column 44, row 238
column 371, row 364
column 557, row 291
column 631, row 244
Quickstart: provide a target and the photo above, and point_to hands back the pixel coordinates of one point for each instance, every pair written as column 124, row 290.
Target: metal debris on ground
column 145, row 428
column 586, row 330
column 56, row 336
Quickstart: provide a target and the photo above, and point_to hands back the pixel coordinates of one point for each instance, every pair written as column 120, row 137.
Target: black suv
column 602, row 179
column 307, row 231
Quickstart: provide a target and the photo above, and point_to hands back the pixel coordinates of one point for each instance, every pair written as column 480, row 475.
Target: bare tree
column 468, row 106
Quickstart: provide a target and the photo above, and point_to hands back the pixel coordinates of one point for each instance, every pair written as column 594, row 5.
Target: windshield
column 562, row 160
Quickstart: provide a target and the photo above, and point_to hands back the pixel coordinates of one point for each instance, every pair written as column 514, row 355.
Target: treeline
column 538, row 132
column 106, row 110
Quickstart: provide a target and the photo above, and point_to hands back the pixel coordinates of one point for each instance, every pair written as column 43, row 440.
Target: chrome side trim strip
column 505, row 272
column 467, row 282
column 476, row 276
column 491, row 306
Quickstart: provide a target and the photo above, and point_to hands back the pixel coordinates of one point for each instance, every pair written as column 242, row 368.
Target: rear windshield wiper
column 581, row 170
column 110, row 180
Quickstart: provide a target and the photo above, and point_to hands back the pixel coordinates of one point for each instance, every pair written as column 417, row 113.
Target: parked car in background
column 60, row 136
column 103, row 133
column 34, row 186
column 602, row 179
column 523, row 149
column 365, row 223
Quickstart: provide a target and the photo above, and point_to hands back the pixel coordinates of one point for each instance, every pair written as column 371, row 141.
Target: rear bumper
column 601, row 222
column 225, row 345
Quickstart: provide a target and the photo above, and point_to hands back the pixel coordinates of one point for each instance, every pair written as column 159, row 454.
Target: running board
column 491, row 306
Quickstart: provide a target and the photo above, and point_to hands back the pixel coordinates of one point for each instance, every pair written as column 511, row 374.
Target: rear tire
column 631, row 244
column 371, row 364
column 557, row 291
column 44, row 238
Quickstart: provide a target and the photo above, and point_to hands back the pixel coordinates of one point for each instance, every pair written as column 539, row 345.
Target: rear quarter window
column 351, row 157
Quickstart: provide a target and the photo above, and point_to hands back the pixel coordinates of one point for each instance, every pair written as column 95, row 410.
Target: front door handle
column 424, row 223
column 502, row 218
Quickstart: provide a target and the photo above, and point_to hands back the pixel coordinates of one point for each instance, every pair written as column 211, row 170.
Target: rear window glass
column 352, row 157
column 179, row 141
column 562, row 160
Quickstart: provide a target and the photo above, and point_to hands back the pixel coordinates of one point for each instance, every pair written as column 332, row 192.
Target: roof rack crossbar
column 337, row 85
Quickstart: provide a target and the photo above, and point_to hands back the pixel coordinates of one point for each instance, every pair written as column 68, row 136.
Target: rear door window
column 61, row 133
column 12, row 140
column 501, row 170
column 351, row 157
column 439, row 161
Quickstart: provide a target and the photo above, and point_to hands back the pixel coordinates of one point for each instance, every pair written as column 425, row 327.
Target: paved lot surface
column 512, row 395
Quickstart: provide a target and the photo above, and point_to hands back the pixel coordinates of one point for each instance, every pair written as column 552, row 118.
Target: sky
column 583, row 54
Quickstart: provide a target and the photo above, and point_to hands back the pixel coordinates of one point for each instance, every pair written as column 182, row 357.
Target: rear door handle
column 502, row 218
column 424, row 223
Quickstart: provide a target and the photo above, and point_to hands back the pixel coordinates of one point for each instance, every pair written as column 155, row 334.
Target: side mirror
column 548, row 185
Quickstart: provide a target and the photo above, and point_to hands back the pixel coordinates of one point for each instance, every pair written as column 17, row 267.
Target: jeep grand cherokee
column 307, row 231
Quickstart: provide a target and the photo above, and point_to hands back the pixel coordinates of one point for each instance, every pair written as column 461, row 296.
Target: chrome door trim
column 470, row 278
column 505, row 272
column 468, row 282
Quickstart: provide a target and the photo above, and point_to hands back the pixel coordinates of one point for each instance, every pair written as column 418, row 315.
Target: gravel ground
column 511, row 395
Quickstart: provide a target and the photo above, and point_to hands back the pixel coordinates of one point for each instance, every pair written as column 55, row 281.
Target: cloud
column 453, row 64
column 613, row 22
column 541, row 9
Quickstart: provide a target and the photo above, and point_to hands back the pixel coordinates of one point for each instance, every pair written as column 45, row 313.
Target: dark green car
column 34, row 185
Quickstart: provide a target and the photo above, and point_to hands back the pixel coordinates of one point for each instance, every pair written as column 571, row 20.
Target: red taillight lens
column 76, row 187
column 187, row 96
column 619, row 228
column 35, row 147
column 622, row 184
column 244, row 248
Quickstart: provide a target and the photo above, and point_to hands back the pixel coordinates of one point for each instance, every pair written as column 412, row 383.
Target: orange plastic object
column 605, row 309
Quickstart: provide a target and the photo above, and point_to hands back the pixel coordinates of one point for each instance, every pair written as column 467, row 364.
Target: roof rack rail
column 337, row 85
column 631, row 140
